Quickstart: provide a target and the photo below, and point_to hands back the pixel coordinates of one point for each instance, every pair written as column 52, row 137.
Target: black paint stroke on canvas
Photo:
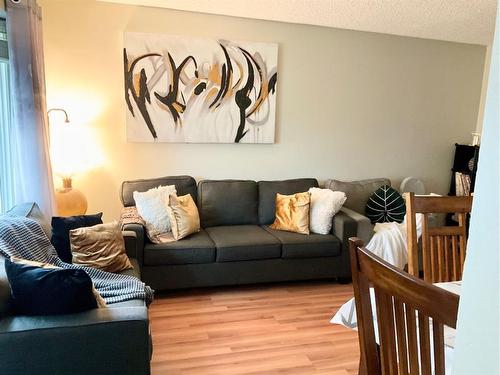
column 248, row 94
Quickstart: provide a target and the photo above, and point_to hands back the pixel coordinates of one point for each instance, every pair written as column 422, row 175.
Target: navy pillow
column 60, row 232
column 42, row 291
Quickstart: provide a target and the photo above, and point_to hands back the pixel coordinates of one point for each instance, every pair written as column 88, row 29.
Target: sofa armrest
column 364, row 227
column 134, row 240
column 130, row 238
column 348, row 223
column 99, row 341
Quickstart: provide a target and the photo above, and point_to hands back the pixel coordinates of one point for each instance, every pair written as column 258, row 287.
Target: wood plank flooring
column 263, row 329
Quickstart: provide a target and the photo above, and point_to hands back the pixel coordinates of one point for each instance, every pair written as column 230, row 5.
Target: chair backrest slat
column 401, row 301
column 424, row 341
column 443, row 248
column 462, row 239
column 438, row 343
column 386, row 331
column 411, row 325
column 456, row 261
column 399, row 314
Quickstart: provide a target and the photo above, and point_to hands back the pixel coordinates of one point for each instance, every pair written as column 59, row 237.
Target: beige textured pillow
column 292, row 212
column 100, row 246
column 100, row 301
column 184, row 216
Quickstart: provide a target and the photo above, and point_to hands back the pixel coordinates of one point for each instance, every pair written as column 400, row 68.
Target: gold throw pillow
column 184, row 216
column 100, row 301
column 100, row 246
column 292, row 212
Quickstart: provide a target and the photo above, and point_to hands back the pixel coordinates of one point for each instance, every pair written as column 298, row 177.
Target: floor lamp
column 69, row 201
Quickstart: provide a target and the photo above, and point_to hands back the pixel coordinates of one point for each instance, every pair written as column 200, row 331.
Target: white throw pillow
column 325, row 203
column 152, row 206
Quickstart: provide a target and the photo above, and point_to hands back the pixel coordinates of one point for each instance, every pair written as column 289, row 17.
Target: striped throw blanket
column 24, row 238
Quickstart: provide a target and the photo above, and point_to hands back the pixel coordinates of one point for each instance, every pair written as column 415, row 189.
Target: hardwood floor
column 264, row 329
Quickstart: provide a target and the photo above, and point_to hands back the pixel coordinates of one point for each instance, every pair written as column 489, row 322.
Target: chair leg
column 362, row 367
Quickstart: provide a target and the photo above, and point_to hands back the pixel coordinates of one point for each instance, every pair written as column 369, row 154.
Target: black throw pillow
column 60, row 232
column 385, row 205
column 42, row 291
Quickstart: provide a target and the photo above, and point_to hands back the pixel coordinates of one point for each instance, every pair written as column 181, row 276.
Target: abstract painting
column 199, row 90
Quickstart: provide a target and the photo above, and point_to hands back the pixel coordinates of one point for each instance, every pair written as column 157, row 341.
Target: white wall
column 350, row 104
column 478, row 335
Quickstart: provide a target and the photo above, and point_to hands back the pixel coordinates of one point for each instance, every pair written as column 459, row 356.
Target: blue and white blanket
column 24, row 238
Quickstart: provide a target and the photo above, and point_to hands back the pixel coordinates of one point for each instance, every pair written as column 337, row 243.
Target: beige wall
column 350, row 104
column 484, row 88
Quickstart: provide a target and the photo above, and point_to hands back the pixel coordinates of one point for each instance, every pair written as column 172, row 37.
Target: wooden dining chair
column 405, row 305
column 443, row 247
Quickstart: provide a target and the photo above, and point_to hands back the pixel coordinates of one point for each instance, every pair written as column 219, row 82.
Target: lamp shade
column 72, row 147
column 69, row 156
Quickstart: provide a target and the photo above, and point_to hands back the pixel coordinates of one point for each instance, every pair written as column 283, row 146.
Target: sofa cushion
column 314, row 245
column 134, row 271
column 130, row 303
column 357, row 192
column 183, row 184
column 269, row 189
column 244, row 242
column 196, row 248
column 227, row 202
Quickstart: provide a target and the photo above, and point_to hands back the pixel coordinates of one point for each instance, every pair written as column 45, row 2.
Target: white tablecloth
column 390, row 242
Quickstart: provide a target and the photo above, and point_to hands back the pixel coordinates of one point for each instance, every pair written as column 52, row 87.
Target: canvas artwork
column 199, row 90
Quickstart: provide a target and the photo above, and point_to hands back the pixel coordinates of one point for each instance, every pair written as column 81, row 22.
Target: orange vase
column 70, row 201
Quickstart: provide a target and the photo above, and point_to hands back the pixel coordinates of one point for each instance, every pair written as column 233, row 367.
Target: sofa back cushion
column 269, row 189
column 183, row 184
column 357, row 192
column 227, row 202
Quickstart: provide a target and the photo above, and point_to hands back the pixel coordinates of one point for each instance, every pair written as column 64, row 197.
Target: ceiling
column 466, row 21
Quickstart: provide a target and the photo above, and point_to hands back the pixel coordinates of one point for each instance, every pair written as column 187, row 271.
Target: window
column 6, row 191
column 4, row 53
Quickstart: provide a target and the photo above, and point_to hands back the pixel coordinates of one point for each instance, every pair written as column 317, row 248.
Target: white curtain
column 7, row 191
column 29, row 152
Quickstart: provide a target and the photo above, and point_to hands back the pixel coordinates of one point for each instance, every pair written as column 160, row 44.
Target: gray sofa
column 112, row 340
column 358, row 193
column 236, row 245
